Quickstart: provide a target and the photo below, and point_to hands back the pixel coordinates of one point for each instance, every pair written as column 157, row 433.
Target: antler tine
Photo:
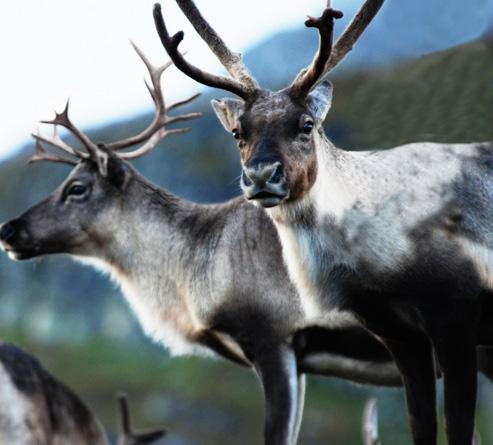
column 229, row 59
column 171, row 43
column 183, row 102
column 309, row 77
column 184, row 117
column 128, row 436
column 160, row 118
column 155, row 73
column 156, row 129
column 329, row 55
column 57, row 142
column 41, row 154
column 64, row 120
column 370, row 423
column 152, row 142
column 124, row 414
column 352, row 33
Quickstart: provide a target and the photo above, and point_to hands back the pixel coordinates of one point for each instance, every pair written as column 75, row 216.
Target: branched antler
column 57, row 142
column 41, row 154
column 128, row 436
column 171, row 43
column 352, row 33
column 242, row 82
column 160, row 118
column 150, row 136
column 325, row 25
column 229, row 59
column 328, row 55
column 64, row 120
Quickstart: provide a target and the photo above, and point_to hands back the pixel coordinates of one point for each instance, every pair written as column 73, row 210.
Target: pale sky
column 55, row 49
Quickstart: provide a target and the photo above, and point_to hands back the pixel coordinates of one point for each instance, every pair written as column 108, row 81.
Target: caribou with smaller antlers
column 37, row 409
column 193, row 274
column 400, row 240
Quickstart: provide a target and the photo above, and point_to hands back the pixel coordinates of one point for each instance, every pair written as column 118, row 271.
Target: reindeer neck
column 155, row 255
column 339, row 185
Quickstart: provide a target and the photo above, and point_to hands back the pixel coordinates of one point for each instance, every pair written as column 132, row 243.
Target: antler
column 41, row 154
column 353, row 32
column 328, row 55
column 128, row 436
column 229, row 59
column 93, row 152
column 325, row 25
column 99, row 152
column 242, row 84
column 161, row 119
column 370, row 423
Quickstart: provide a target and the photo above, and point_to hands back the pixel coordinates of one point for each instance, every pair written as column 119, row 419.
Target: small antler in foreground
column 128, row 436
column 370, row 423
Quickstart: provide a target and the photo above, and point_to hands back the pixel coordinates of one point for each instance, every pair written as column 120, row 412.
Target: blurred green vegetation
column 78, row 325
column 443, row 97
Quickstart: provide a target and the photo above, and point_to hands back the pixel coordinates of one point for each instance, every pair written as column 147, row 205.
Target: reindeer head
column 276, row 131
column 81, row 214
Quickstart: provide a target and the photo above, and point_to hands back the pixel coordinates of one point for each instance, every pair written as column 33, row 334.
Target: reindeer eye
column 236, row 133
column 307, row 127
column 77, row 190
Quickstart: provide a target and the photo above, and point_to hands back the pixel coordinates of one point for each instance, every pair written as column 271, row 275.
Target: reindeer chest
column 164, row 315
column 312, row 260
column 326, row 260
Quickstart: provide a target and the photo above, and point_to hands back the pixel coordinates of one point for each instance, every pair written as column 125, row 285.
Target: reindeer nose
column 7, row 231
column 10, row 229
column 261, row 174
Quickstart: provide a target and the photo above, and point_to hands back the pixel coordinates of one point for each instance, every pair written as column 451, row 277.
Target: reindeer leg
column 277, row 369
column 485, row 361
column 416, row 364
column 455, row 348
column 301, row 406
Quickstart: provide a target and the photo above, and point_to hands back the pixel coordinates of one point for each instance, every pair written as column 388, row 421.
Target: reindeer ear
column 319, row 100
column 228, row 111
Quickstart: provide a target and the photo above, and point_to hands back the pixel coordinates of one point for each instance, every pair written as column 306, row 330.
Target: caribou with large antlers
column 401, row 240
column 193, row 274
column 36, row 408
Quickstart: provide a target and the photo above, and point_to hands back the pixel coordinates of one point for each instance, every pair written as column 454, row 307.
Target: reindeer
column 400, row 240
column 193, row 274
column 38, row 409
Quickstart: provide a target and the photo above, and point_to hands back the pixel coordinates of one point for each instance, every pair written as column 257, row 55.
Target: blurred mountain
column 403, row 29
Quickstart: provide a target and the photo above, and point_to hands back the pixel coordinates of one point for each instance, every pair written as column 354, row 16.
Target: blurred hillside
column 402, row 30
column 76, row 321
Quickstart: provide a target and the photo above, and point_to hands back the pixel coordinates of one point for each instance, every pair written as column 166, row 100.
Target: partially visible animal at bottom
column 38, row 409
